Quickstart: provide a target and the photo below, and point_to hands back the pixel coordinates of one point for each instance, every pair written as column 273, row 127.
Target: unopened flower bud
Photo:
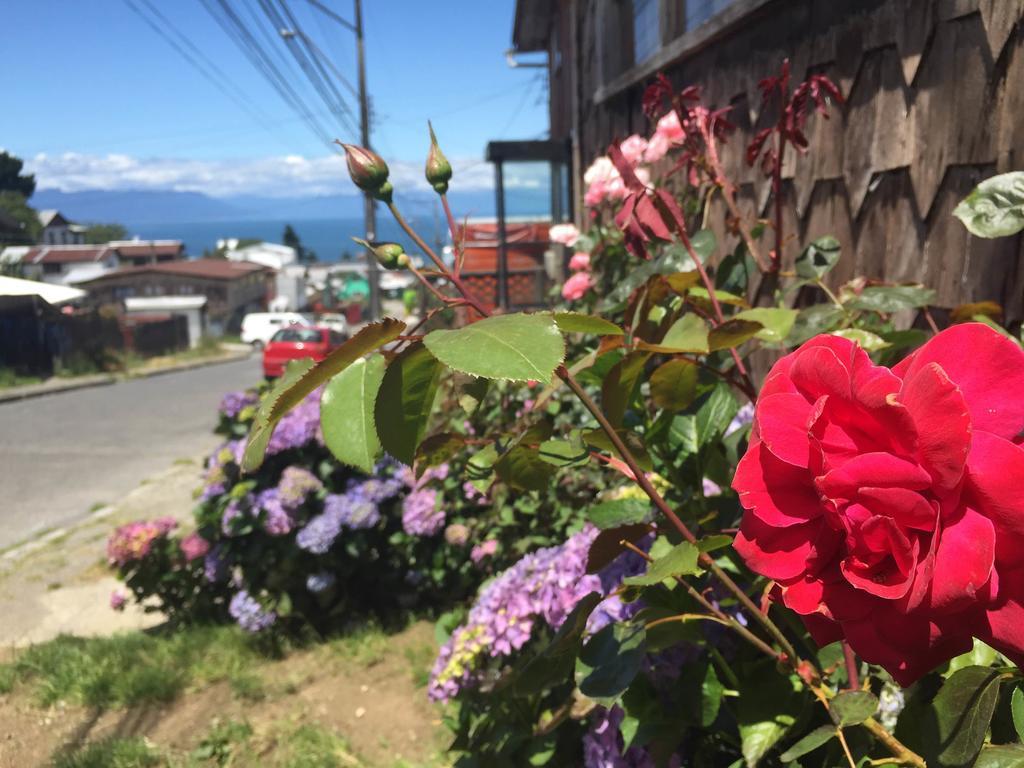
column 438, row 170
column 384, row 192
column 367, row 169
column 389, row 255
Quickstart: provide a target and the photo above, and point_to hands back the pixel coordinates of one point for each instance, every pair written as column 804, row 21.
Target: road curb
column 14, row 394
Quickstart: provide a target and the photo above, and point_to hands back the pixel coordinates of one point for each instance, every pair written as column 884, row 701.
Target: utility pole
column 369, row 213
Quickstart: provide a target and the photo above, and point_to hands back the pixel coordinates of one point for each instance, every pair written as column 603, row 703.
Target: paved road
column 62, row 454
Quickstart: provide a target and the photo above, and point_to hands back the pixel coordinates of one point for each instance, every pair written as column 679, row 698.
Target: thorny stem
column 729, row 196
column 788, row 655
column 851, row 667
column 453, row 229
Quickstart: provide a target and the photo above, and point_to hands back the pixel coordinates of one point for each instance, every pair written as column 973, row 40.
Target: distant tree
column 16, row 206
column 96, row 234
column 291, row 239
column 12, row 179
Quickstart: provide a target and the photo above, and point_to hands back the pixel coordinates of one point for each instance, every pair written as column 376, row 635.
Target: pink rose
column 596, row 193
column 633, row 148
column 576, row 286
column 669, row 127
column 657, row 148
column 566, row 234
column 888, row 505
column 580, row 262
column 601, row 170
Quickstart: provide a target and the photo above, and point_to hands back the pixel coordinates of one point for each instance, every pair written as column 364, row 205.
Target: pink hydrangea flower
column 483, row 551
column 566, row 234
column 194, row 546
column 580, row 262
column 576, row 286
column 118, row 600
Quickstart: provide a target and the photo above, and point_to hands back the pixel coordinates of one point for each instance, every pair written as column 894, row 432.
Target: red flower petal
column 908, row 508
column 1003, row 621
column 784, row 553
column 986, row 366
column 995, row 487
column 782, row 423
column 943, row 423
column 879, row 470
column 963, row 561
column 778, row 493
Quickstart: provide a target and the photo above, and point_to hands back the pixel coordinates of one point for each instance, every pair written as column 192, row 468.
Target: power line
column 225, row 15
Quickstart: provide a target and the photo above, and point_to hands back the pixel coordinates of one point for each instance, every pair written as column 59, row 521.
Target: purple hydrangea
column 233, row 403
column 318, row 582
column 603, row 744
column 544, row 585
column 277, row 520
column 299, row 427
column 319, row 533
column 422, row 515
column 215, row 480
column 235, row 509
column 355, row 510
column 743, row 417
column 215, row 568
column 250, row 615
column 295, row 485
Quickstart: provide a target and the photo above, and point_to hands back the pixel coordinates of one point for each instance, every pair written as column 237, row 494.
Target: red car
column 296, row 342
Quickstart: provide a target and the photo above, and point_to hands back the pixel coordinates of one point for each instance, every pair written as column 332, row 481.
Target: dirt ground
column 369, row 693
column 370, row 697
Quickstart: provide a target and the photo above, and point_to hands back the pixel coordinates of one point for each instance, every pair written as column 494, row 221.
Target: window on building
column 699, row 11
column 50, row 268
column 646, row 29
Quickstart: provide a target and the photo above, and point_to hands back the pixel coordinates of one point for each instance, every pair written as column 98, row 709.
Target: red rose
column 888, row 505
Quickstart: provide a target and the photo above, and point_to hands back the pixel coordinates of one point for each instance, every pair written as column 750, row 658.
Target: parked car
column 335, row 322
column 259, row 327
column 296, row 342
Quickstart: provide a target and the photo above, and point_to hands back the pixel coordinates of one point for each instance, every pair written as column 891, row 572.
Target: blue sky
column 99, row 100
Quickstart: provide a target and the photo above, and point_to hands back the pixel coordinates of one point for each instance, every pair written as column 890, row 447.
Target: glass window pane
column 646, row 29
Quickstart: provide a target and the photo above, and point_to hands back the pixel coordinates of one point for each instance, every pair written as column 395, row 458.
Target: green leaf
column 853, row 707
column 866, row 339
column 892, row 298
column 405, row 401
column 555, row 662
column 682, row 435
column 1003, row 756
column 1017, row 711
column 765, row 711
column 820, row 735
column 711, row 697
column 819, row 318
column 472, row 393
column 611, row 514
column 681, row 560
column 715, row 415
column 346, row 413
column 437, row 449
column 732, row 333
column 517, row 347
column 598, row 439
column 565, row 453
column 776, row 322
column 674, row 385
column 672, row 261
column 818, row 258
column 963, row 710
column 609, row 662
column 700, row 296
column 981, row 655
column 712, row 543
column 577, row 322
column 687, row 334
column 607, row 545
column 621, row 385
column 299, row 381
column 995, row 208
column 523, row 468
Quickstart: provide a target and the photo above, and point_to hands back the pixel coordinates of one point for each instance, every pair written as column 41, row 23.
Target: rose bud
column 384, row 192
column 367, row 169
column 389, row 255
column 438, row 170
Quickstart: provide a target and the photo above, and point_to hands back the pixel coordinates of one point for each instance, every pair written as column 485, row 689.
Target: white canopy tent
column 48, row 292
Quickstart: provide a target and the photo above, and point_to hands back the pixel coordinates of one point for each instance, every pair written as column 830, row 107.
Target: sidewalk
column 59, row 583
column 57, row 384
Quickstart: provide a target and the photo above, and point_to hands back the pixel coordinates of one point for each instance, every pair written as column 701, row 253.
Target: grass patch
column 311, row 746
column 8, row 378
column 421, row 661
column 223, row 743
column 112, row 753
column 134, row 668
column 366, row 645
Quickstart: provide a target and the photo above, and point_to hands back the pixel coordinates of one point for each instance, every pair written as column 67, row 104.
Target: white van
column 258, row 327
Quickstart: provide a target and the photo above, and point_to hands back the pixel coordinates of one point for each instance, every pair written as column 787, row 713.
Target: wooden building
column 934, row 95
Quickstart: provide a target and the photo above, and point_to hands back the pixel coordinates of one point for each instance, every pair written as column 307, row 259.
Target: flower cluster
column 422, row 513
column 544, row 586
column 295, row 485
column 604, row 746
column 194, row 546
column 299, row 427
column 233, row 404
column 356, row 509
column 132, row 542
column 216, row 479
column 249, row 613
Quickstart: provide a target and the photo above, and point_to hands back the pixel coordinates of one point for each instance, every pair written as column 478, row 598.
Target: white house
column 290, row 282
column 57, row 230
column 193, row 308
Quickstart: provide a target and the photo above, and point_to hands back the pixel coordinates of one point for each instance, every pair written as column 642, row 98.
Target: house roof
column 209, row 269
column 67, row 254
column 136, row 248
column 51, row 216
column 532, row 24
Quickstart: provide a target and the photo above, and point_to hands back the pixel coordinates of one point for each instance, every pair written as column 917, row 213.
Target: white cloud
column 285, row 176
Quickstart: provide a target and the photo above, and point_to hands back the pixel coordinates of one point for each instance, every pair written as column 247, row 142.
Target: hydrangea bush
column 729, row 511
